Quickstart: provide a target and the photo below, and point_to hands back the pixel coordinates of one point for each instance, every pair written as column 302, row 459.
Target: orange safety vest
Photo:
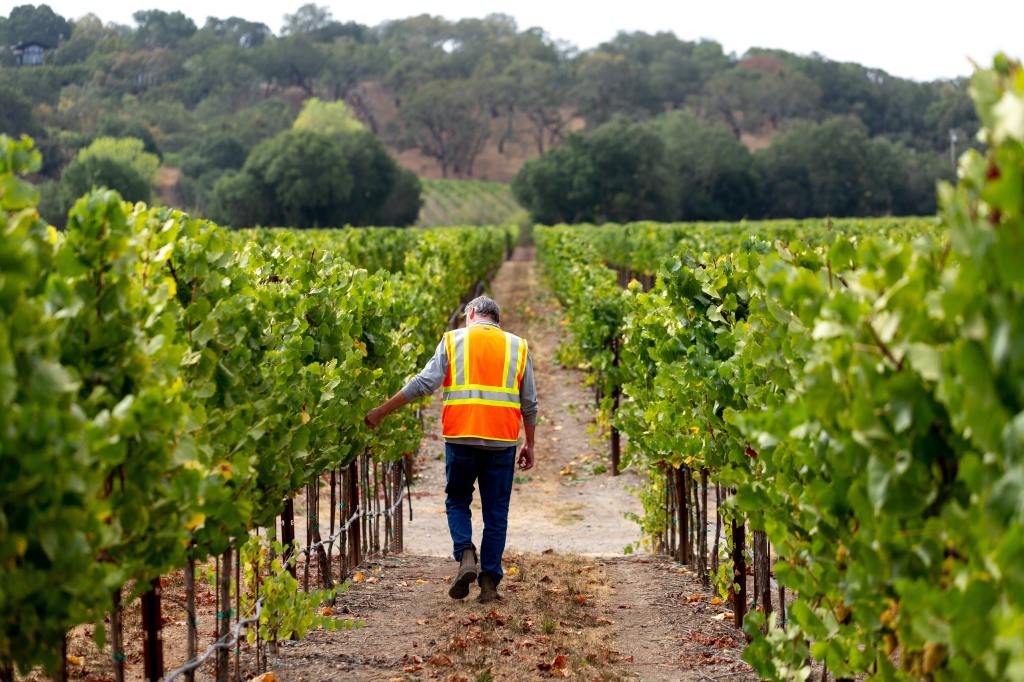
column 481, row 386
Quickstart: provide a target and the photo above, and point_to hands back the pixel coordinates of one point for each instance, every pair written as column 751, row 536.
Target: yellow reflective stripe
column 451, row 354
column 508, row 356
column 520, row 362
column 465, row 357
column 481, row 401
column 480, row 387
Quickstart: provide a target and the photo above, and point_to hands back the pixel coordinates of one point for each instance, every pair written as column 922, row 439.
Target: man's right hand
column 373, row 418
column 526, row 457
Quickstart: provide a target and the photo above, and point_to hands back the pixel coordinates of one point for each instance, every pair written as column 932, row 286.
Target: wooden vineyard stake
column 396, row 521
column 190, row 615
column 152, row 643
column 224, row 615
column 117, row 637
column 683, row 516
column 288, row 534
column 351, row 507
column 739, row 563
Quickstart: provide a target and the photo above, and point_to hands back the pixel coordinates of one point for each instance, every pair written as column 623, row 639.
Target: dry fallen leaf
column 716, row 601
column 601, row 620
column 373, row 580
column 403, row 584
column 327, row 611
column 421, row 622
column 682, row 570
column 695, row 597
column 580, row 599
column 627, row 659
column 421, row 581
column 265, row 677
column 412, row 668
column 512, row 571
column 75, row 660
column 439, row 660
column 722, row 616
column 359, row 577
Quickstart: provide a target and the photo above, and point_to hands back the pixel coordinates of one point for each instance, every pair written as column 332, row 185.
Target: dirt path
column 573, row 605
column 568, row 502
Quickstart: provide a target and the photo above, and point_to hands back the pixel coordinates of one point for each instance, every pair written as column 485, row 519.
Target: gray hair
column 484, row 305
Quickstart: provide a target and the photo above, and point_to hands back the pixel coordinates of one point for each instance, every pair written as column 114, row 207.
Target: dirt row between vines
column 574, row 605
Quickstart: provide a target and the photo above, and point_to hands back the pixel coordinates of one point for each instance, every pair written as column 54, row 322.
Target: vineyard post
column 152, row 645
column 190, row 614
column 310, row 522
column 683, row 515
column 334, row 511
column 616, row 394
column 696, row 550
column 117, row 637
column 238, row 614
column 288, row 534
column 397, row 541
column 702, row 549
column 694, row 515
column 224, row 615
column 62, row 670
column 739, row 564
column 351, row 508
column 762, row 572
column 673, row 502
column 718, row 528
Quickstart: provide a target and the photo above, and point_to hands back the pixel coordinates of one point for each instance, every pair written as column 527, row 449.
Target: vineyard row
column 167, row 385
column 855, row 390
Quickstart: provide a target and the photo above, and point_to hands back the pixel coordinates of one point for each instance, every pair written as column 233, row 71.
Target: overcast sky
column 912, row 38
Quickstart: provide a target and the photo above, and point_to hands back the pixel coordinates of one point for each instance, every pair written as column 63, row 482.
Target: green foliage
column 84, row 174
column 40, row 24
column 297, row 178
column 330, row 118
column 617, row 173
column 288, row 612
column 17, row 119
column 859, row 386
column 48, row 520
column 166, row 384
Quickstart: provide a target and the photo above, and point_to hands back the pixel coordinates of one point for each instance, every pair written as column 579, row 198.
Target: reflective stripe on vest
column 481, row 388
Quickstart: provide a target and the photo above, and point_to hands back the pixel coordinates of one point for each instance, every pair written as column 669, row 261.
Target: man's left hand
column 526, row 457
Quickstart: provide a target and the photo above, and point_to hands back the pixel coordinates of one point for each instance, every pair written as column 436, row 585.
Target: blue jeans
column 495, row 470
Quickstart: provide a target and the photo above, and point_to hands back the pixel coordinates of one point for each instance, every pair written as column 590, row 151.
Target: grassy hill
column 468, row 202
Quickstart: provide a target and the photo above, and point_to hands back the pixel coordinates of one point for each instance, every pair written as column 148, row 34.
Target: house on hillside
column 29, row 54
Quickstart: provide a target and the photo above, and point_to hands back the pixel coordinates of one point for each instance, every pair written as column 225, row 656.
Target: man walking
column 489, row 391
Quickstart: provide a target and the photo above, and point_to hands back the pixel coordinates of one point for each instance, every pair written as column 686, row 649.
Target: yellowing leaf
column 20, row 546
column 305, row 416
column 75, row 660
column 512, row 571
column 716, row 601
column 197, row 520
column 172, row 287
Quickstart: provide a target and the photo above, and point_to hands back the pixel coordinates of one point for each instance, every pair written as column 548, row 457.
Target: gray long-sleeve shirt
column 432, row 376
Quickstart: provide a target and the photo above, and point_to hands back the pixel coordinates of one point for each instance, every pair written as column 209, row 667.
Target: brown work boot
column 488, row 589
column 467, row 574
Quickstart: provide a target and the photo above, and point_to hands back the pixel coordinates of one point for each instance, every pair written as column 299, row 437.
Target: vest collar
column 487, row 322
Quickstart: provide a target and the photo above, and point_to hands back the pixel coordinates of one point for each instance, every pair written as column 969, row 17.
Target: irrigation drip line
column 225, row 642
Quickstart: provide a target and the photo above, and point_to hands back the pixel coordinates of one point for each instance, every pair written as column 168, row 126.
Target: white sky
column 910, row 38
